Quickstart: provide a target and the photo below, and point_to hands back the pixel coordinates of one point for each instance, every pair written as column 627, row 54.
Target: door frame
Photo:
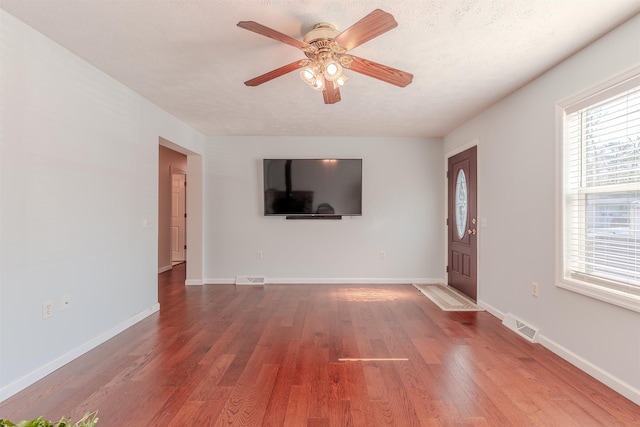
column 481, row 220
column 194, row 234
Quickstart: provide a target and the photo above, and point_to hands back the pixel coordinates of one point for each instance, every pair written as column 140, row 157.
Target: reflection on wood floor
column 250, row 356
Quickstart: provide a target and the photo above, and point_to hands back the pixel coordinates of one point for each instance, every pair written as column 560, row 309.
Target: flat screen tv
column 312, row 188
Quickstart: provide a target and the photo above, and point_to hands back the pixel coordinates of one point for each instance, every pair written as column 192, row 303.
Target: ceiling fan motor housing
column 322, row 38
column 321, row 31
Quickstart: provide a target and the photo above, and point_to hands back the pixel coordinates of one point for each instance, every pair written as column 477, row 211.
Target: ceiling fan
column 326, row 47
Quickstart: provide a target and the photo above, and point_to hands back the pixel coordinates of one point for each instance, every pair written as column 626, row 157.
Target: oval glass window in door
column 461, row 203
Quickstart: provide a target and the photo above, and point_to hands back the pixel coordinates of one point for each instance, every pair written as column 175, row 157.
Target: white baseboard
column 165, row 268
column 220, row 281
column 627, row 390
column 332, row 281
column 41, row 372
column 491, row 309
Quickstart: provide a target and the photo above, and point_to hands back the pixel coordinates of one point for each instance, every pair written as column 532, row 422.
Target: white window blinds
column 602, row 189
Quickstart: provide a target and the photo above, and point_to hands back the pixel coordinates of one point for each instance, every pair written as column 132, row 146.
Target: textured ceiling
column 191, row 59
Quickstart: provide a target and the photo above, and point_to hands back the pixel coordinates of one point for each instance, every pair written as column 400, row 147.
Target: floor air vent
column 251, row 280
column 521, row 328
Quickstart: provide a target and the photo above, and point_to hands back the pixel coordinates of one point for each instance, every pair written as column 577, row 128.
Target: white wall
column 79, row 174
column 517, row 158
column 403, row 181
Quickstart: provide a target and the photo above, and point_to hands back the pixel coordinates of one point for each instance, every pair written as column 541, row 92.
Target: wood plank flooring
column 222, row 355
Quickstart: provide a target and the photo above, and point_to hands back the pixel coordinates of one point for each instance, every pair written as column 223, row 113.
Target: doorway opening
column 191, row 165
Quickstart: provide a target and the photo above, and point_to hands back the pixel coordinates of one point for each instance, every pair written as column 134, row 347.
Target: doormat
column 448, row 298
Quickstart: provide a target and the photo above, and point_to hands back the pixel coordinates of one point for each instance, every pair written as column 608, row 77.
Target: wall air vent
column 526, row 331
column 251, row 280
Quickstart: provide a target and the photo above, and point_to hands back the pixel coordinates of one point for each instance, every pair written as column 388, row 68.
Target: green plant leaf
column 89, row 420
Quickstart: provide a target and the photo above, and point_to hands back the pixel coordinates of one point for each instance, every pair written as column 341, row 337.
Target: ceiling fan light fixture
column 341, row 80
column 332, row 70
column 308, row 75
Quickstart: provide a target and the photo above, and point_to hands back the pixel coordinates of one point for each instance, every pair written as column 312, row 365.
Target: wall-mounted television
column 312, row 188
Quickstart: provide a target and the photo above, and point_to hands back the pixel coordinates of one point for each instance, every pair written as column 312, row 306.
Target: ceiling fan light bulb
column 341, row 80
column 308, row 75
column 332, row 71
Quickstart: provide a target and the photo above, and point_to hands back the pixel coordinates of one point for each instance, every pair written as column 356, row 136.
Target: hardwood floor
column 250, row 356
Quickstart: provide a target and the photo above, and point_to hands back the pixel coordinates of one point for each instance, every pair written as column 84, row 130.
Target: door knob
column 471, row 231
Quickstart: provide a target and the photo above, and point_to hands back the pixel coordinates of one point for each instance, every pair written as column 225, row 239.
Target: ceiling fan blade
column 276, row 35
column 372, row 25
column 331, row 93
column 275, row 73
column 379, row 71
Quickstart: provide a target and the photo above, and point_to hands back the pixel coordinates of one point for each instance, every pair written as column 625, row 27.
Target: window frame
column 623, row 296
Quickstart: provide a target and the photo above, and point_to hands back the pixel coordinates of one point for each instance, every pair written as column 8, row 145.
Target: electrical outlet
column 47, row 309
column 383, row 255
column 66, row 303
column 259, row 254
column 534, row 289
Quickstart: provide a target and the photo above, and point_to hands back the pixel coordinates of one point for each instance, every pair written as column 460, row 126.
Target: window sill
column 611, row 296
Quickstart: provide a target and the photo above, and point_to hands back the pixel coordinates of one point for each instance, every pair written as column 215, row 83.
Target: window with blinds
column 601, row 188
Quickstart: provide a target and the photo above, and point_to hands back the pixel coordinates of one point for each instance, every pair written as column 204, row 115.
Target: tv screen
column 312, row 187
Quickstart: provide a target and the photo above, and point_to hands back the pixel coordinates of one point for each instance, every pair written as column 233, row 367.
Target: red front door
column 462, row 223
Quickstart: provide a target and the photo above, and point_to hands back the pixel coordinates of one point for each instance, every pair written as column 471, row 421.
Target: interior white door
column 178, row 217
